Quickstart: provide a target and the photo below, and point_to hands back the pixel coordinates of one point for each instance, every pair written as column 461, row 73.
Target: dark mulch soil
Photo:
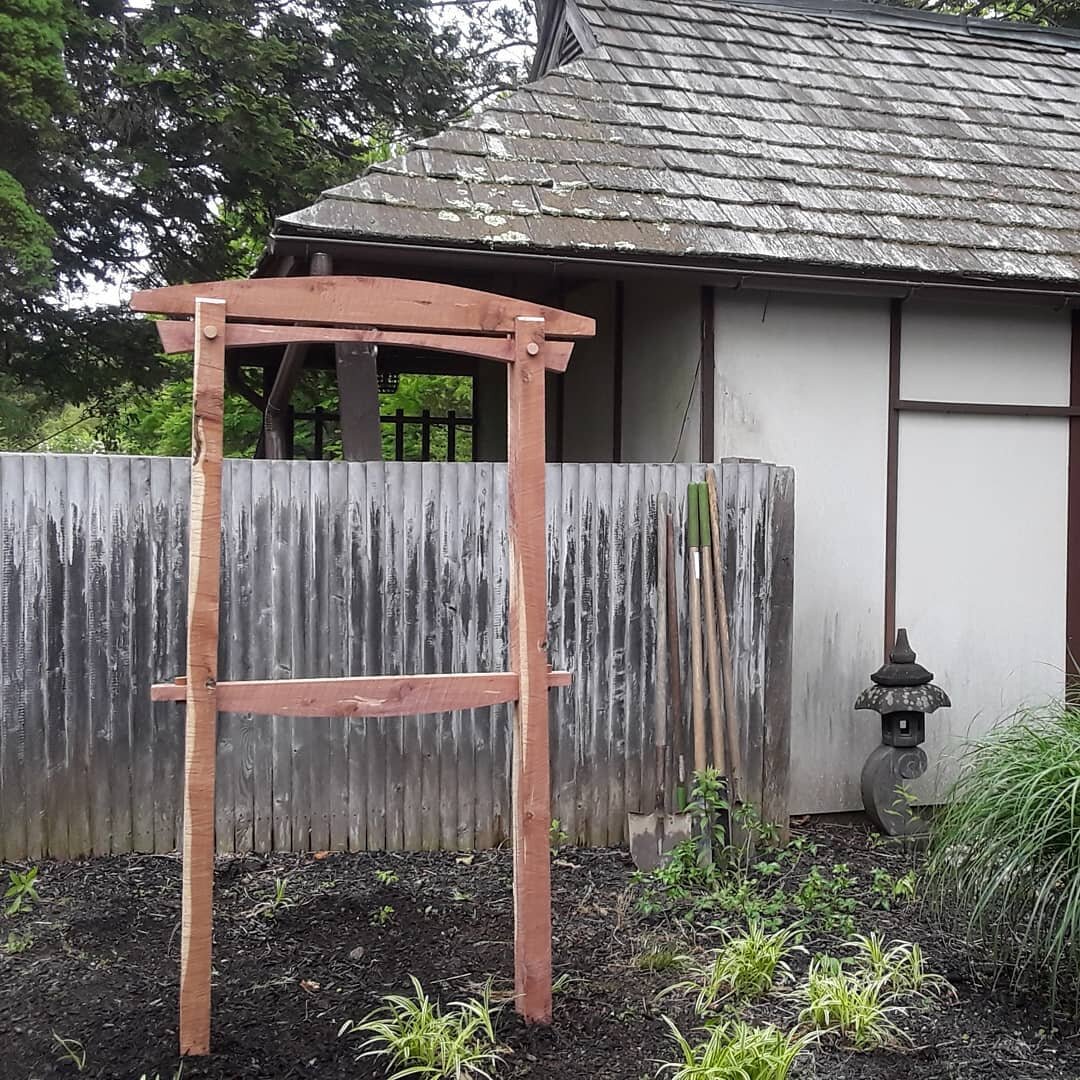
column 103, row 969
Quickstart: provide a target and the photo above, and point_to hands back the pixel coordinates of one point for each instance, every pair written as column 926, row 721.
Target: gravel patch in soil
column 103, row 969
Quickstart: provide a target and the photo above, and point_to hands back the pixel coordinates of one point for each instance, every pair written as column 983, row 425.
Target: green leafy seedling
column 889, row 892
column 17, row 943
column 386, row 877
column 384, row 916
column 557, row 835
column 21, row 891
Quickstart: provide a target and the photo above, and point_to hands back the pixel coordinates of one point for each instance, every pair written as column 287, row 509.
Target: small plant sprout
column 824, row 900
column 658, row 954
column 276, row 903
column 386, row 877
column 744, row 967
column 900, row 967
column 558, row 836
column 418, row 1038
column 735, row 1050
column 384, row 916
column 70, row 1050
column 847, row 1005
column 17, row 943
column 21, row 892
column 889, row 892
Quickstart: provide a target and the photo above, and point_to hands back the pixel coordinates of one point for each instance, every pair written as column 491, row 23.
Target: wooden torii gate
column 530, row 339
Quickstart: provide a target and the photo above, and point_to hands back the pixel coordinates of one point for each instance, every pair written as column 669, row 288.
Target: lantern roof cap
column 902, row 670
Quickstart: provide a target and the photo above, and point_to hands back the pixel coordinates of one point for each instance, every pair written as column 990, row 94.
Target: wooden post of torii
column 531, row 339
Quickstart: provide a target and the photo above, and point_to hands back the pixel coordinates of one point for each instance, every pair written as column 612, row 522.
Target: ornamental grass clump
column 857, row 1010
column 745, row 966
column 735, row 1051
column 1004, row 859
column 416, row 1037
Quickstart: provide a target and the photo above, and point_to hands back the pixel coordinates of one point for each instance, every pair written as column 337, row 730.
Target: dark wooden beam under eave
column 358, row 393
column 618, row 333
column 358, row 388
column 892, row 472
column 707, row 367
column 1072, row 550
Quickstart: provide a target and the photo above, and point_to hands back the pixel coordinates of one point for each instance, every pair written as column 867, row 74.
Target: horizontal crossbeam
column 178, row 336
column 367, row 302
column 371, row 695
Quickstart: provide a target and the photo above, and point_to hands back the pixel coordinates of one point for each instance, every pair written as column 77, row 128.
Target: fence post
column 200, row 746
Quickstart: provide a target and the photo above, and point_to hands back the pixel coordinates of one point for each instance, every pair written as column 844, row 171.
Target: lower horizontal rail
column 372, row 695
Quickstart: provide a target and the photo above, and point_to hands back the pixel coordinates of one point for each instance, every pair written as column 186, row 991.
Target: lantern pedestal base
column 885, row 778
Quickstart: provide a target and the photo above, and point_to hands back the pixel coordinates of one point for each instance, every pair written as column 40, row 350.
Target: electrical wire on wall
column 686, row 411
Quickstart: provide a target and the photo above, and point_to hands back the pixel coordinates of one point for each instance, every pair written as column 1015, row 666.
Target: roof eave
column 722, row 272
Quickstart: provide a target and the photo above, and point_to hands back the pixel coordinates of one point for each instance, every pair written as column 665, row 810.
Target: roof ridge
column 884, row 13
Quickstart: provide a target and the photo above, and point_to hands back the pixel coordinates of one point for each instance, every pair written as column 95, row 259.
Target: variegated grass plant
column 1004, row 861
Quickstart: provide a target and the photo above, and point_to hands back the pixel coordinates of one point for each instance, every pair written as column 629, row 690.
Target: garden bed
column 101, row 968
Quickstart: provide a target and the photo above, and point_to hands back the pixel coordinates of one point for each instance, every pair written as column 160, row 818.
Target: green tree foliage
column 161, row 143
column 33, row 90
column 159, row 421
column 1063, row 13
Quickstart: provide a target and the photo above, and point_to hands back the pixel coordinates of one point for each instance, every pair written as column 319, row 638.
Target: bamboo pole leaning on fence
column 712, row 651
column 727, row 666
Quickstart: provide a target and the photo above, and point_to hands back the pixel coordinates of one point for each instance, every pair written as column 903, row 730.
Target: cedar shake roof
column 751, row 133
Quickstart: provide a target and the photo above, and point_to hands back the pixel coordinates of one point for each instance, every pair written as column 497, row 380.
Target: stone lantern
column 903, row 693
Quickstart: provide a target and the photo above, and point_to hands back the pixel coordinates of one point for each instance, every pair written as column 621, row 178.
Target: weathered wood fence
column 333, row 569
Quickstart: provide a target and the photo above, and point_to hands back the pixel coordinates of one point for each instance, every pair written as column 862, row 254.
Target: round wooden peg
column 210, row 332
column 532, row 348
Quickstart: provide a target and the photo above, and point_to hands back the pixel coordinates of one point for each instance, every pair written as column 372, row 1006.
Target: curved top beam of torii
column 428, row 312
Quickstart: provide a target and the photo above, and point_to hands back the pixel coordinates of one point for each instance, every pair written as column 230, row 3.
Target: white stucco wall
column 976, row 352
column 981, row 514
column 661, row 354
column 982, row 502
column 803, row 381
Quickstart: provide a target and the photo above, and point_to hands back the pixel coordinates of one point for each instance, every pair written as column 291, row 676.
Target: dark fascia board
column 724, row 274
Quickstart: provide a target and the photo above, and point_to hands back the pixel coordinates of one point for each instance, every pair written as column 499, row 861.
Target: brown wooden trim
column 177, row 336
column 892, row 471
column 1072, row 558
column 617, row 373
column 368, row 303
column 707, row 367
column 200, row 685
column 984, row 408
column 372, row 695
column 525, row 471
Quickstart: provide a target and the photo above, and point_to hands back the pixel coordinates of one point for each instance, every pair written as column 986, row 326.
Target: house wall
column 660, row 372
column 981, row 510
column 804, row 381
column 981, row 516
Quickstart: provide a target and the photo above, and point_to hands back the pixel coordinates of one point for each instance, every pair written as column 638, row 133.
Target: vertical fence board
column 777, row 743
column 53, row 830
column 13, row 816
column 354, row 568
column 137, row 559
column 339, row 643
